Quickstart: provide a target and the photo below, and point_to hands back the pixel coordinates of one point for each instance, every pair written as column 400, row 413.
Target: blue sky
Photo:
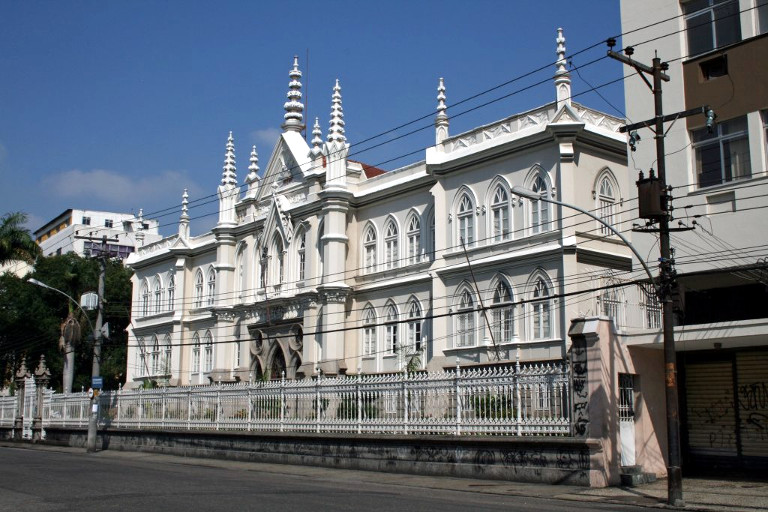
column 120, row 105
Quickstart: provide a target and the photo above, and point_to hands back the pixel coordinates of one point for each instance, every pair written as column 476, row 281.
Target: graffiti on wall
column 580, row 389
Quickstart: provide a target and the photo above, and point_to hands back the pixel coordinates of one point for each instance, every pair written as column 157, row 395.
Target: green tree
column 16, row 242
column 31, row 317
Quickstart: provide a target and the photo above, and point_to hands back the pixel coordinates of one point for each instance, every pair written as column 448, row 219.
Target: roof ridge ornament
column 336, row 130
column 441, row 120
column 229, row 175
column 184, row 219
column 317, row 139
column 562, row 76
column 252, row 179
column 294, row 108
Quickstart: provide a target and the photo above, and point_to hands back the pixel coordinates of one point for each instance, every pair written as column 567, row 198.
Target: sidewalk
column 699, row 493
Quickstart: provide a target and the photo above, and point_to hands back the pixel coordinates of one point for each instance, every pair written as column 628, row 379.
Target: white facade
column 328, row 265
column 69, row 232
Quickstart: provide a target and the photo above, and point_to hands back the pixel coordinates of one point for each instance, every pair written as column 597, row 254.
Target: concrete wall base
column 544, row 460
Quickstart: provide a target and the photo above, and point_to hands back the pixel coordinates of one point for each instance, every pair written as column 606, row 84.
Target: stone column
column 18, row 425
column 42, row 378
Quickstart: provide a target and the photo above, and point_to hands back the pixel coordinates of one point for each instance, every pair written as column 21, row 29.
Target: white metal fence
column 7, row 410
column 527, row 400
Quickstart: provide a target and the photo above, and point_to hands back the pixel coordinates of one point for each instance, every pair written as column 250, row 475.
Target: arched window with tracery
column 199, row 289
column 155, row 356
column 195, row 354
column 606, row 203
column 503, row 313
column 211, row 294
column 465, row 216
column 541, row 310
column 369, row 249
column 279, row 261
column 414, row 325
column 369, row 331
column 208, row 357
column 540, row 221
column 144, row 299
column 391, row 328
column 141, row 357
column 500, row 209
column 465, row 319
column 171, row 291
column 414, row 238
column 391, row 252
column 166, row 362
column 158, row 293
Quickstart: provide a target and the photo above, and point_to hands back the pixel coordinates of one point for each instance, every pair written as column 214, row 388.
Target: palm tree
column 16, row 242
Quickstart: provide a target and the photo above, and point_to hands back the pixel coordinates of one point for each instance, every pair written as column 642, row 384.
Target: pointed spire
column 252, row 180
column 562, row 76
column 294, row 108
column 229, row 175
column 184, row 205
column 441, row 120
column 317, row 139
column 336, row 131
column 253, row 168
column 184, row 219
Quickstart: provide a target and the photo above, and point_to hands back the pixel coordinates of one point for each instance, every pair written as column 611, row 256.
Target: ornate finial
column 562, row 76
column 253, row 168
column 184, row 220
column 42, row 372
column 22, row 373
column 317, row 138
column 294, row 108
column 229, row 176
column 141, row 218
column 441, row 98
column 441, row 120
column 252, row 180
column 336, row 131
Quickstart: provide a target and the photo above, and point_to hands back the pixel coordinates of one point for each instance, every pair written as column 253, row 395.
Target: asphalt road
column 41, row 480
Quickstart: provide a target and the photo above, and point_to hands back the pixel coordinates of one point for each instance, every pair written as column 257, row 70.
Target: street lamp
column 530, row 194
column 43, row 285
column 92, row 420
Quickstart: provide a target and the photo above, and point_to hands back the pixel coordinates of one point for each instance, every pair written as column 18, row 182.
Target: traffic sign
column 97, row 382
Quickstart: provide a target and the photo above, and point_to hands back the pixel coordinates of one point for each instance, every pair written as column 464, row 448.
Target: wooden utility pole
column 655, row 190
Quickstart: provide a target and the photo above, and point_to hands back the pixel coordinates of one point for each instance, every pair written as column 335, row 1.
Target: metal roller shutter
column 711, row 418
column 752, row 395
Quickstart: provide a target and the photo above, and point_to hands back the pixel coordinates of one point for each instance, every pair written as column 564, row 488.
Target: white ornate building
column 325, row 264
